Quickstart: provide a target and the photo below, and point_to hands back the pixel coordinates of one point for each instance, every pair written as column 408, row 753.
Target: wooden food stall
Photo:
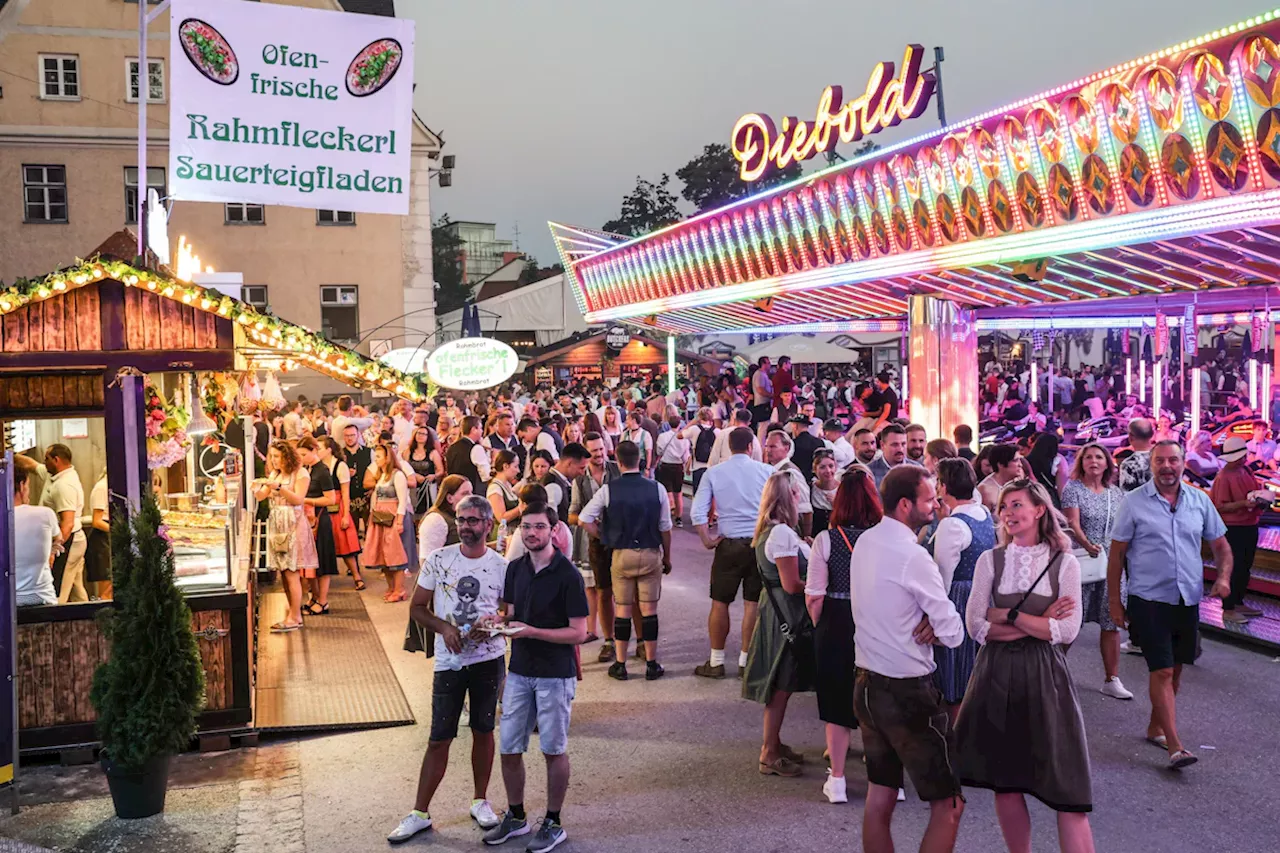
column 79, row 351
column 599, row 355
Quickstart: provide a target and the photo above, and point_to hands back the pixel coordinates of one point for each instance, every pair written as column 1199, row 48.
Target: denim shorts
column 545, row 702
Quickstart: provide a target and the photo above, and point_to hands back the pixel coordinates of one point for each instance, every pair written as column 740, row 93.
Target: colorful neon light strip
column 1005, row 324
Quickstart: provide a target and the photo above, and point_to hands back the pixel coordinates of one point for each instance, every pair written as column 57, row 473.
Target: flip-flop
column 359, row 585
column 1182, row 758
column 1158, row 740
column 285, row 627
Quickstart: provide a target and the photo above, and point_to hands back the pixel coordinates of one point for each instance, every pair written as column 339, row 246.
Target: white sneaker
column 902, row 795
column 1129, row 648
column 834, row 788
column 1115, row 689
column 484, row 814
column 409, row 827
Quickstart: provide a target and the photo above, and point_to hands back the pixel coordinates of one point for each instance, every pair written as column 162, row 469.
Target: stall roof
column 802, row 350
column 550, row 351
column 262, row 328
column 1159, row 175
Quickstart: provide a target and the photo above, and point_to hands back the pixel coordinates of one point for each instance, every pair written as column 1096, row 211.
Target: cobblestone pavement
column 671, row 765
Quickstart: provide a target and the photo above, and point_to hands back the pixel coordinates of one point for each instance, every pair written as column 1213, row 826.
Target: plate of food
column 374, row 66
column 208, row 51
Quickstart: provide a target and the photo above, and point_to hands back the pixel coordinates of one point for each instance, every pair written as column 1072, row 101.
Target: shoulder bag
column 1094, row 569
column 798, row 637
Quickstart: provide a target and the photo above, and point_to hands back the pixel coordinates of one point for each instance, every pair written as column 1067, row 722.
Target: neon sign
column 759, row 145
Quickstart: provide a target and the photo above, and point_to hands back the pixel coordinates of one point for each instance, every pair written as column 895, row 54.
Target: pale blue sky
column 554, row 107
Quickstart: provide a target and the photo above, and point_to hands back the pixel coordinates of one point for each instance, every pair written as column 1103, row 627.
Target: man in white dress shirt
column 901, row 609
column 720, row 451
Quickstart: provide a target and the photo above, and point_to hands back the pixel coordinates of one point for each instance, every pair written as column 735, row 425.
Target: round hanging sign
column 471, row 363
column 617, row 338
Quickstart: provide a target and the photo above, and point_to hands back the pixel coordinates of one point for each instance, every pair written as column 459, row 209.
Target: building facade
column 482, row 252
column 68, row 179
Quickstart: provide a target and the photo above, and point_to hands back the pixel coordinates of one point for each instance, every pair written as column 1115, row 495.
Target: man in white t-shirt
column 36, row 533
column 64, row 494
column 459, row 590
column 721, row 452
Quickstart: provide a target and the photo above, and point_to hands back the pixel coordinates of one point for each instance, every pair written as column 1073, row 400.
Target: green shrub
column 149, row 691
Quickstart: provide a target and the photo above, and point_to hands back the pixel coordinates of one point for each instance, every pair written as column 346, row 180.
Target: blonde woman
column 1020, row 730
column 383, row 548
column 291, row 548
column 776, row 668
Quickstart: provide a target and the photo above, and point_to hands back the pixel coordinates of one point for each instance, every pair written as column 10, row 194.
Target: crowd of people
column 927, row 592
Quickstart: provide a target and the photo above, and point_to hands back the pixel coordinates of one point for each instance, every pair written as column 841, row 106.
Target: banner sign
column 1190, row 331
column 275, row 104
column 1162, row 334
column 617, row 338
column 471, row 363
column 1124, row 341
column 8, row 627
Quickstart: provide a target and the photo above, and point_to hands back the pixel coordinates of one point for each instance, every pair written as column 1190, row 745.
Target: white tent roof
column 544, row 306
column 802, row 351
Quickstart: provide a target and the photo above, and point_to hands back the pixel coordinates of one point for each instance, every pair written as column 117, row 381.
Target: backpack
column 706, row 441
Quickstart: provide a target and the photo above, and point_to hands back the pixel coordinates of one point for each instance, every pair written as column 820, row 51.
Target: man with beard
column 864, row 446
column 545, row 609
column 893, row 452
column 916, row 441
column 778, row 450
column 458, row 595
column 901, row 610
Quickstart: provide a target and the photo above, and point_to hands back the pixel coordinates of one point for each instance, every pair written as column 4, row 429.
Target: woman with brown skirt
column 1020, row 730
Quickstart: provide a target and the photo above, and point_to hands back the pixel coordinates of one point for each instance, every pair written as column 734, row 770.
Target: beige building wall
column 95, row 138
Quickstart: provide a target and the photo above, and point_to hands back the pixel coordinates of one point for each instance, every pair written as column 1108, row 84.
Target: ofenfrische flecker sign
column 275, row 104
column 468, row 364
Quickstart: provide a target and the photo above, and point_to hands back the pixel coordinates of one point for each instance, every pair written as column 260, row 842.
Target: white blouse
column 1021, row 568
column 783, row 541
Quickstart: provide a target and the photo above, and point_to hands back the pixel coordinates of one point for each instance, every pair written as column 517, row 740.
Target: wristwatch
column 1012, row 616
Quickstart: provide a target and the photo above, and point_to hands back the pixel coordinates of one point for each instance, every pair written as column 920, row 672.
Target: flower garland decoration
column 218, row 397
column 166, row 425
column 305, row 347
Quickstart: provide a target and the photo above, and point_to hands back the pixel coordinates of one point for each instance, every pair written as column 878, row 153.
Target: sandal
column 591, row 638
column 284, row 627
column 1182, row 758
column 790, row 754
column 1158, row 740
column 780, row 766
column 317, row 609
column 359, row 586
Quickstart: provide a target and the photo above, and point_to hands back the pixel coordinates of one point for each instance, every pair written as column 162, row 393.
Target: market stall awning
column 1159, row 175
column 263, row 332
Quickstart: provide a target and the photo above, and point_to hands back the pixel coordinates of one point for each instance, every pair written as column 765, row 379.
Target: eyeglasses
column 531, row 528
column 471, row 520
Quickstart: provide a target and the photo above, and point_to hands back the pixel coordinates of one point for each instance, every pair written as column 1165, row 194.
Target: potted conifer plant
column 149, row 691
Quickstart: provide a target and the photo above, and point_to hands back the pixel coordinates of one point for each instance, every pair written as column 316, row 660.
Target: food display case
column 203, row 547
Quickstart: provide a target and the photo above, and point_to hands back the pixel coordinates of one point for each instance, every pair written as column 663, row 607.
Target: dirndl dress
column 290, row 545
column 1020, row 729
column 956, row 665
column 346, row 543
column 772, row 662
column 383, row 548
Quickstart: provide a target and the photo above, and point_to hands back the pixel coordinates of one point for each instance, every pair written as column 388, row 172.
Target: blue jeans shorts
column 546, row 702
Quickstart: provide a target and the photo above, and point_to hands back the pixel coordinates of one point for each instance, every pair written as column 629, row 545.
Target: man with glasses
column 459, row 592
column 545, row 611
column 632, row 517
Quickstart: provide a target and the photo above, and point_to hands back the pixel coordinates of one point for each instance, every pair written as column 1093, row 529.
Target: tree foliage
column 149, row 691
column 447, row 266
column 648, row 207
column 712, row 179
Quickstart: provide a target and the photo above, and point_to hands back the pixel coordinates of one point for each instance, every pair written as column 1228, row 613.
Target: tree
column 712, row 178
column 447, row 264
column 650, row 206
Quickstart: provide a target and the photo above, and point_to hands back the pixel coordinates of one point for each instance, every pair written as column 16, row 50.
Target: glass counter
column 202, row 547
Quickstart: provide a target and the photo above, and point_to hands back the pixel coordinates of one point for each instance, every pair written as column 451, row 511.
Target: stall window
column 256, row 295
column 238, row 213
column 155, row 181
column 155, row 80
column 44, row 191
column 335, row 217
column 59, row 77
column 340, row 312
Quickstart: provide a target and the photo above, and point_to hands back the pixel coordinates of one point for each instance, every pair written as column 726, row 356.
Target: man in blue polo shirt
column 545, row 607
column 1159, row 529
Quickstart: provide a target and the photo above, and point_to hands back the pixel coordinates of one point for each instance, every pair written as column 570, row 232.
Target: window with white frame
column 237, row 213
column 155, row 80
column 44, row 192
column 340, row 312
column 60, row 76
column 256, row 295
column 155, row 181
column 335, row 217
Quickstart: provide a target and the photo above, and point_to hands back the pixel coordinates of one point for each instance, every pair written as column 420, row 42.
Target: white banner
column 276, row 104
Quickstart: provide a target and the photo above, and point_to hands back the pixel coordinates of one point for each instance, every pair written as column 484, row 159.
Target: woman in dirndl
column 776, row 668
column 856, row 508
column 1020, row 730
column 291, row 549
column 321, row 495
column 383, row 539
column 346, row 535
column 964, row 534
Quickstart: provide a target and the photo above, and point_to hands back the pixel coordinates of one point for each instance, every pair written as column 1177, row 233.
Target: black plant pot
column 138, row 793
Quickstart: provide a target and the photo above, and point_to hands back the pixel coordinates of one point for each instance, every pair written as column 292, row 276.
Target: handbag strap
column 847, row 543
